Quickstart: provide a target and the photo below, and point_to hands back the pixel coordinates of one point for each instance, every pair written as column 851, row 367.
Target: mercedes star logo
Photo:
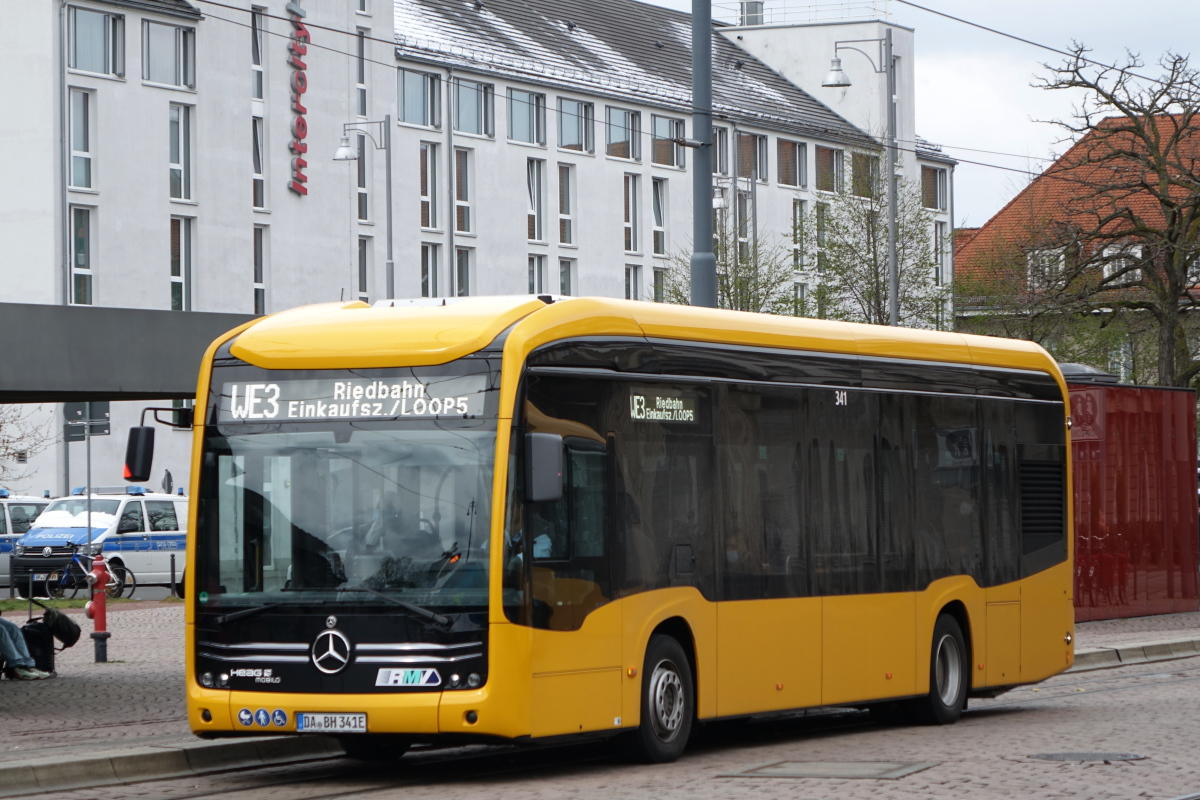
column 47, row 552
column 331, row 652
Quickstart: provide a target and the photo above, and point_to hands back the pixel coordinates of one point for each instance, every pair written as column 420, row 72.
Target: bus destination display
column 353, row 398
column 657, row 407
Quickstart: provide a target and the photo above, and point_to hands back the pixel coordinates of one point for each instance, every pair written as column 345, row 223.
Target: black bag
column 40, row 643
column 61, row 627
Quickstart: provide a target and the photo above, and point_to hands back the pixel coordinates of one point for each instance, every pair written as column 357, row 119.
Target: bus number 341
column 841, row 398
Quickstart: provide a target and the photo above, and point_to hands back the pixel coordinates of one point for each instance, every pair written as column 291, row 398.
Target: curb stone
column 104, row 768
column 1134, row 653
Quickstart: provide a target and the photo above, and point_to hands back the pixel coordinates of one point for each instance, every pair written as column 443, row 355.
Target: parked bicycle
column 68, row 581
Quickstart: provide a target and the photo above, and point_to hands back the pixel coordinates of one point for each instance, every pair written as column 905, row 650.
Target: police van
column 134, row 528
column 17, row 514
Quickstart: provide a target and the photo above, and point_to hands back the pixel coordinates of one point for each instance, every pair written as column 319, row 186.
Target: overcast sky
column 973, row 87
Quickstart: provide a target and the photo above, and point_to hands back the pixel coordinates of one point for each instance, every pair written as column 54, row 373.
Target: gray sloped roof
column 618, row 48
column 174, row 8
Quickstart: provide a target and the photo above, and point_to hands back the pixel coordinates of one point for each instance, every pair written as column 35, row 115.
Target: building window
column 1119, row 261
column 462, row 191
column 660, row 285
column 742, row 201
column 566, row 276
column 429, row 270
column 864, row 174
column 575, row 125
column 792, row 162
column 666, row 152
column 534, row 175
column 752, row 156
column 566, row 204
column 364, row 206
column 822, row 211
column 260, row 180
column 631, row 213
column 633, row 276
column 97, row 42
column 81, row 256
column 537, row 270
column 260, row 270
column 81, row 140
column 751, row 12
column 799, row 299
column 623, row 131
column 933, row 188
column 658, row 190
column 181, row 264
column 797, row 234
column 720, row 151
column 462, row 271
column 364, row 267
column 429, row 166
column 473, row 104
column 257, row 19
column 168, row 54
column 361, row 7
column 360, row 72
column 181, row 152
column 829, row 169
column 419, row 93
column 940, row 251
column 526, row 117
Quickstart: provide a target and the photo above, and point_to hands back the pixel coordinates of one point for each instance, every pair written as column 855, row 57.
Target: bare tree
column 1129, row 221
column 846, row 244
column 25, row 431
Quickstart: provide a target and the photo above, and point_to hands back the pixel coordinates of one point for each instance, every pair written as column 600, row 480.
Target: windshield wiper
column 424, row 613
column 245, row 612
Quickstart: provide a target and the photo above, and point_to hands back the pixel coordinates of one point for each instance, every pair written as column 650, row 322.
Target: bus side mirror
column 543, row 467
column 139, row 453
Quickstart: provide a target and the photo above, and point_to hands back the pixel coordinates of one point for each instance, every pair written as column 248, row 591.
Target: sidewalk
column 124, row 720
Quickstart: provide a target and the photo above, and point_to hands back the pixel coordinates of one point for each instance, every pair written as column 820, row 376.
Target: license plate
column 40, row 576
column 332, row 723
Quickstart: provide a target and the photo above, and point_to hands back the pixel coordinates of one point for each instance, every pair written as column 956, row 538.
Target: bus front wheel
column 949, row 674
column 668, row 704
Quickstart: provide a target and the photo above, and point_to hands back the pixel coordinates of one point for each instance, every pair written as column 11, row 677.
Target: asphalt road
column 1147, row 709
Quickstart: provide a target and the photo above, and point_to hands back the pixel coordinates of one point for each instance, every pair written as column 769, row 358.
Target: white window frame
column 184, row 56
column 484, row 102
column 429, row 269
column 761, row 160
column 360, row 72
column 258, row 164
column 83, row 259
column 660, row 285
column 838, row 166
column 259, row 262
column 633, row 279
column 799, row 179
column 179, row 129
column 1118, row 257
column 537, row 274
column 430, row 94
column 577, row 116
column 566, row 276
column 363, row 273
column 530, row 107
column 799, row 207
column 463, row 183
column 1044, row 266
column 427, row 184
column 720, row 150
column 631, row 126
column 631, row 211
column 81, row 151
column 941, row 187
column 181, row 264
column 566, row 204
column 658, row 198
column 464, row 271
column 535, row 193
column 872, row 179
column 363, row 179
column 258, row 18
column 941, row 242
column 676, row 128
column 113, row 43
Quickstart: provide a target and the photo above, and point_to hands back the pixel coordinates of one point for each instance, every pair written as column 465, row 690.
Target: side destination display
column 353, row 398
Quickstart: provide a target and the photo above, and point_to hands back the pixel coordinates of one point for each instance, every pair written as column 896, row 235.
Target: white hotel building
column 178, row 154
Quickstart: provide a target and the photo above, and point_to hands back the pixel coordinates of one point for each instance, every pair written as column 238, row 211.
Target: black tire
column 120, row 582
column 58, row 584
column 668, row 705
column 374, row 747
column 949, row 675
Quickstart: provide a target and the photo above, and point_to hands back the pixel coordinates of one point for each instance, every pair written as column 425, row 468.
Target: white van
column 17, row 514
column 138, row 529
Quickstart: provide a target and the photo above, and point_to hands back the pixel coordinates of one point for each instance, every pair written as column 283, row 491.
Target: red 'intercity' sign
column 298, row 48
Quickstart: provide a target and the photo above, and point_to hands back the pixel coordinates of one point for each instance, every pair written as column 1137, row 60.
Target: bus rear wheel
column 668, row 704
column 374, row 747
column 949, row 675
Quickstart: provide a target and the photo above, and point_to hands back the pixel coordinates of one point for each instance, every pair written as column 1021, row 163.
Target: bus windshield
column 327, row 509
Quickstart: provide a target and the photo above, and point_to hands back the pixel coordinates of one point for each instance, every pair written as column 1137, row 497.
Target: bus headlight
column 474, row 680
column 223, row 680
column 454, row 681
column 206, row 680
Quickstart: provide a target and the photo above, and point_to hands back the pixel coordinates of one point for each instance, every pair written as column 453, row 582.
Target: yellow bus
column 517, row 518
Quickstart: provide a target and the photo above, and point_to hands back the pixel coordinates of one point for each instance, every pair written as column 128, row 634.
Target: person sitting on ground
column 15, row 654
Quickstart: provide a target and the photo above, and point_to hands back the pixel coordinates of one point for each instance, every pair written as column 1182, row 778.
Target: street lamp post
column 837, row 79
column 347, row 153
column 704, row 262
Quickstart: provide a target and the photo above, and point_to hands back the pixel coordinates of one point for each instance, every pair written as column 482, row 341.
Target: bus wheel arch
column 678, row 629
column 958, row 610
column 667, row 698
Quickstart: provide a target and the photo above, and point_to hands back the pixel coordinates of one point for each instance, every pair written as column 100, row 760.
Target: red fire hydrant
column 96, row 609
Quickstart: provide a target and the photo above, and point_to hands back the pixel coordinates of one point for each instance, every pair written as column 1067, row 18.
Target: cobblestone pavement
column 1150, row 709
